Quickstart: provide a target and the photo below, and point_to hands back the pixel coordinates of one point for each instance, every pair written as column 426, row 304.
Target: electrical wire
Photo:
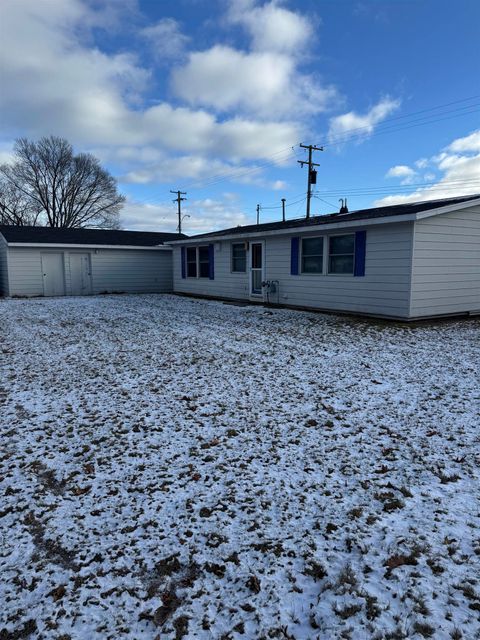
column 356, row 133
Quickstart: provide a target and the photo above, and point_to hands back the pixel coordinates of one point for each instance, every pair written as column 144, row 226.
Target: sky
column 214, row 97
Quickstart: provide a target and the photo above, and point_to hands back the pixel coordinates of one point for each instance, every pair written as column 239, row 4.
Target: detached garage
column 41, row 261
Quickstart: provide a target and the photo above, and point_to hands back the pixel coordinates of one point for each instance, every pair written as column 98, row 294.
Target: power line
column 415, row 113
column 352, row 134
column 461, row 184
column 381, row 129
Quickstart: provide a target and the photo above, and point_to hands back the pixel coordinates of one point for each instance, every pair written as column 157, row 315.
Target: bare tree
column 69, row 190
column 15, row 207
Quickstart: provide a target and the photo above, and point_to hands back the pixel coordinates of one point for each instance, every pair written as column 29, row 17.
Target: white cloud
column 460, row 164
column 360, row 126
column 400, row 171
column 205, row 215
column 55, row 81
column 166, row 39
column 422, row 163
column 264, row 83
column 466, row 144
column 272, row 27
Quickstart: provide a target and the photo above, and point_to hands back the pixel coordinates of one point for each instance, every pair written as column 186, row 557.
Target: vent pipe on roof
column 343, row 208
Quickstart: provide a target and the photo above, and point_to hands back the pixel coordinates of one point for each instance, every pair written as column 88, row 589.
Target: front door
column 80, row 274
column 256, row 268
column 52, row 274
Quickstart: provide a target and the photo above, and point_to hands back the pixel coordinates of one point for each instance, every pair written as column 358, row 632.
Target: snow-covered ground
column 177, row 468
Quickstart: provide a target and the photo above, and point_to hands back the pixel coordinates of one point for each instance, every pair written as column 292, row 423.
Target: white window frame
column 332, row 273
column 231, row 256
column 312, row 273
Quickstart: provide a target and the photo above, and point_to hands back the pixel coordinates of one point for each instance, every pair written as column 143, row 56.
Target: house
column 403, row 261
column 41, row 261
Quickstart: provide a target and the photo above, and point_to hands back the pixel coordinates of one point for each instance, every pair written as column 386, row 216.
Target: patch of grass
column 315, row 570
column 347, row 611
column 424, row 629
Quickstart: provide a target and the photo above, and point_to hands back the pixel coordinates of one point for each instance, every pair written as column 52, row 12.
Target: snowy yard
column 175, row 468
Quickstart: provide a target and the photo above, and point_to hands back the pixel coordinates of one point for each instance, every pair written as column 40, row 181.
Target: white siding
column 3, row 267
column 132, row 271
column 225, row 284
column 113, row 270
column 446, row 264
column 384, row 290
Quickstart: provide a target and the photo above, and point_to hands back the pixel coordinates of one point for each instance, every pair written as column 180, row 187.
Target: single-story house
column 41, row 261
column 403, row 261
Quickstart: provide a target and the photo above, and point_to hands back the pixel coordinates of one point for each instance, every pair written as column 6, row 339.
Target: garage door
column 53, row 275
column 80, row 274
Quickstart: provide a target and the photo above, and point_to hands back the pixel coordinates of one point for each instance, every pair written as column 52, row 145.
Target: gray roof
column 49, row 235
column 362, row 214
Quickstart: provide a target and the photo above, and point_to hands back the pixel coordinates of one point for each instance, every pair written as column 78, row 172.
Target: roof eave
column 56, row 245
column 293, row 230
column 410, row 217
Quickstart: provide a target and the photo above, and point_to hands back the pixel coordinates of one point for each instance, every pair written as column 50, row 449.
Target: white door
column 53, row 275
column 80, row 274
column 256, row 268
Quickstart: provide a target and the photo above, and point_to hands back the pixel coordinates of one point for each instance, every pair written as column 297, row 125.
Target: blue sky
column 213, row 97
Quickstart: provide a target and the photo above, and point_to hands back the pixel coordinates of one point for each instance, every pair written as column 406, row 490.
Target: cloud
column 205, row 215
column 421, row 163
column 166, row 39
column 272, row 27
column 264, row 79
column 55, row 81
column 262, row 83
column 360, row 126
column 459, row 163
column 400, row 171
column 468, row 143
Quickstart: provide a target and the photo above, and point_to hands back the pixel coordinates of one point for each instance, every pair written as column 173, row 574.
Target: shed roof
column 49, row 235
column 353, row 216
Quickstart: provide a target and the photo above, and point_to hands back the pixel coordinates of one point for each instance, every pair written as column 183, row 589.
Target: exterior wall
column 3, row 267
column 446, row 264
column 384, row 290
column 113, row 270
column 225, row 284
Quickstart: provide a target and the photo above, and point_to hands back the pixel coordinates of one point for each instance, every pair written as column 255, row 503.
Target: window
column 341, row 254
column 312, row 255
column 191, row 262
column 203, row 262
column 239, row 258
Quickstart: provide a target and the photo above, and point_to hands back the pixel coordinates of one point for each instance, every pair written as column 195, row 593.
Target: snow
column 173, row 468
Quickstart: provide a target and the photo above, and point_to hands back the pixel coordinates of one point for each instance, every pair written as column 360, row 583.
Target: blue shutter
column 360, row 246
column 211, row 262
column 183, row 261
column 295, row 243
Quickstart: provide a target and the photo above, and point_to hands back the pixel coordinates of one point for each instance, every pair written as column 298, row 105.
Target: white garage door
column 53, row 275
column 80, row 274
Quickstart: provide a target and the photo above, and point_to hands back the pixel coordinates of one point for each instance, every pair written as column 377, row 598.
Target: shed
column 44, row 261
column 404, row 261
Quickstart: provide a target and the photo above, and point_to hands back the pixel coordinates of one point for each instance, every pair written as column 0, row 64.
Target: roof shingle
column 49, row 235
column 361, row 214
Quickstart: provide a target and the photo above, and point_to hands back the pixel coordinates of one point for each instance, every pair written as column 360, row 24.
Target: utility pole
column 179, row 200
column 258, row 214
column 312, row 174
column 283, row 209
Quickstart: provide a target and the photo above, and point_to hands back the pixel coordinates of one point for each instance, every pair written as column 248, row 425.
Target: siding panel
column 384, row 290
column 3, row 267
column 113, row 270
column 446, row 264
